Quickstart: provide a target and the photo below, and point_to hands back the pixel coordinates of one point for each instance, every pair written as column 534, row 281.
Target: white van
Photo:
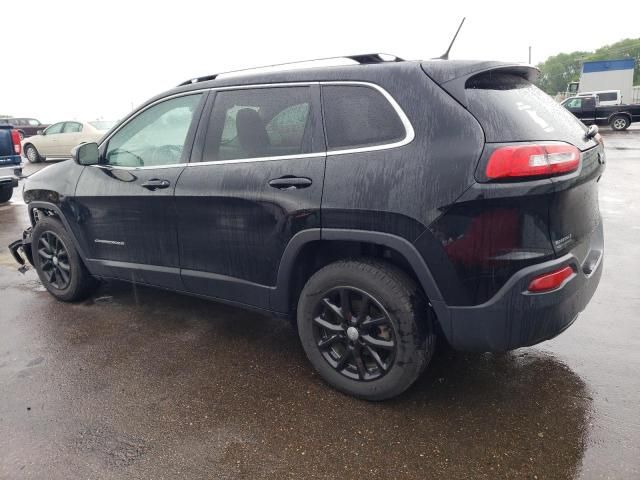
column 604, row 97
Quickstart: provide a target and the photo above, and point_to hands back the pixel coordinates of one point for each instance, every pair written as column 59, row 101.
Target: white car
column 57, row 140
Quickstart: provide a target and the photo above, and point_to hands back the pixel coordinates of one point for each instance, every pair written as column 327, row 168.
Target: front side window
column 33, row 122
column 264, row 122
column 574, row 103
column 156, row 136
column 55, row 128
column 72, row 127
column 359, row 116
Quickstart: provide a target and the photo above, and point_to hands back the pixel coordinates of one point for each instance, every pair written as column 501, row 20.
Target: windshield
column 102, row 124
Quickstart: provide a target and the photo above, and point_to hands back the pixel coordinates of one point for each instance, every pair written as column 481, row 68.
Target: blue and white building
column 609, row 75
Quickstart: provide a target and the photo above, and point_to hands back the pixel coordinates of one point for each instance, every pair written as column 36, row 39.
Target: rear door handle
column 289, row 182
column 156, row 183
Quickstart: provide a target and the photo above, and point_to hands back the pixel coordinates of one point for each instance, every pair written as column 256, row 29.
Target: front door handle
column 289, row 182
column 156, row 183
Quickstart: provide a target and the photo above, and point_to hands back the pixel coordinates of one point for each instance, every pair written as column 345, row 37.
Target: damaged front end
column 21, row 249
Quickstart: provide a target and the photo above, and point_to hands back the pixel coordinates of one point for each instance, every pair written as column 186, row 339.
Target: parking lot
column 139, row 383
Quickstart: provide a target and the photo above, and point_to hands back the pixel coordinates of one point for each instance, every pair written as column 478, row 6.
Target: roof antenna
column 445, row 56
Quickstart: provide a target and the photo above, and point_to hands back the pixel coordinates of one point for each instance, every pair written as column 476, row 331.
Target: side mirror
column 86, row 154
column 40, row 132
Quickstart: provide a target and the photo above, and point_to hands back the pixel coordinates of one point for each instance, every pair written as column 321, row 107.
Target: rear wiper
column 592, row 131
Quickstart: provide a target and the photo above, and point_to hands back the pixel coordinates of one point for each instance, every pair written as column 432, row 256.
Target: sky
column 92, row 59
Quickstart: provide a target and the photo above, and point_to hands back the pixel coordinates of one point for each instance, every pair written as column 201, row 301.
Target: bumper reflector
column 550, row 281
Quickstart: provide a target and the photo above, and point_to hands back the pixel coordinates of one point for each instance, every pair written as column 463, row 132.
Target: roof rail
column 362, row 59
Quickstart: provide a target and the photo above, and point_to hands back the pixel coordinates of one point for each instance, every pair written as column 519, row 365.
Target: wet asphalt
column 140, row 383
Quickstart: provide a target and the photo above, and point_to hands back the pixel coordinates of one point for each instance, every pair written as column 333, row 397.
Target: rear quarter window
column 359, row 116
column 512, row 109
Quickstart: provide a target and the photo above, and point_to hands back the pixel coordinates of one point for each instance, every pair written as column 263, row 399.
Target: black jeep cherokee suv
column 382, row 204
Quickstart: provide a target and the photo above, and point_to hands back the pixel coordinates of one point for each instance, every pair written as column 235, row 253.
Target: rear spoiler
column 452, row 75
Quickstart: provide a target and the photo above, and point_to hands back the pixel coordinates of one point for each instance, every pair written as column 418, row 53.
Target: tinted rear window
column 512, row 109
column 358, row 116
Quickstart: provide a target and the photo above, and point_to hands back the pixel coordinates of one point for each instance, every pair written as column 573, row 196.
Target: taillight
column 15, row 138
column 550, row 281
column 532, row 160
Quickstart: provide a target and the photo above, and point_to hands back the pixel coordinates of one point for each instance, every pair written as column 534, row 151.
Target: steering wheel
column 138, row 158
column 160, row 154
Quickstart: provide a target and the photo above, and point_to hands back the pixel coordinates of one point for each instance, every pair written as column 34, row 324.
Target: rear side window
column 358, row 116
column 512, row 109
column 261, row 122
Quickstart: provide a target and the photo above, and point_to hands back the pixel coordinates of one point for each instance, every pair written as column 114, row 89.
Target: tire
column 5, row 194
column 32, row 154
column 619, row 122
column 79, row 283
column 21, row 135
column 407, row 326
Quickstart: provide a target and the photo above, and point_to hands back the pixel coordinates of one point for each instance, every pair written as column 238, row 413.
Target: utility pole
column 529, row 54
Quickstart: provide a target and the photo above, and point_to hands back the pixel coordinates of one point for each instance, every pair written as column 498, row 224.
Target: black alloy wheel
column 354, row 333
column 54, row 260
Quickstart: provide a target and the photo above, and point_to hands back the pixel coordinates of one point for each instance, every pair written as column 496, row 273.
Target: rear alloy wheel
column 354, row 333
column 366, row 328
column 58, row 263
column 619, row 122
column 32, row 154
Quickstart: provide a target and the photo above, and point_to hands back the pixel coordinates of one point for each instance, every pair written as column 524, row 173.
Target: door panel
column 69, row 138
column 234, row 226
column 128, row 229
column 238, row 211
column 48, row 144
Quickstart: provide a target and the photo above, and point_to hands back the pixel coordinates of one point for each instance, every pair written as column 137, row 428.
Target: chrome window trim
column 408, row 138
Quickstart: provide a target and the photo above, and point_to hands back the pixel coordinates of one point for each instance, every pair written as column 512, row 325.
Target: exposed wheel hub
column 353, row 334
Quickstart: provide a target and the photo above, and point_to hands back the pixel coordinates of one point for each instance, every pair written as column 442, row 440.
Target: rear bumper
column 514, row 318
column 9, row 175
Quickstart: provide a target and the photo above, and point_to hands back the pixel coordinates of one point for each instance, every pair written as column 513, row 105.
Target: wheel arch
column 51, row 209
column 310, row 250
column 617, row 114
